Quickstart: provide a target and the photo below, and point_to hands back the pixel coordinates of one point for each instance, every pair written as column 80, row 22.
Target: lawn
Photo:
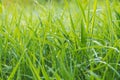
column 60, row 40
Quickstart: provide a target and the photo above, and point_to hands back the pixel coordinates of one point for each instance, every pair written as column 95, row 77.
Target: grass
column 77, row 40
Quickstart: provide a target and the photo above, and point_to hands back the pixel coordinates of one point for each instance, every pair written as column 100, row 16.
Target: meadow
column 60, row 40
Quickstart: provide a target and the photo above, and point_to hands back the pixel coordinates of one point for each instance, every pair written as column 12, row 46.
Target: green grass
column 77, row 40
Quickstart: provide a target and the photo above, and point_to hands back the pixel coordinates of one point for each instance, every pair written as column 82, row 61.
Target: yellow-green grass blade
column 33, row 69
column 16, row 68
column 93, row 16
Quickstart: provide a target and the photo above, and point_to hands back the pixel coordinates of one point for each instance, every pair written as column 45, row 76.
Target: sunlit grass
column 74, row 40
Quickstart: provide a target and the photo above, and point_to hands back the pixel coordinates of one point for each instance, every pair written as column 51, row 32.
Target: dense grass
column 77, row 40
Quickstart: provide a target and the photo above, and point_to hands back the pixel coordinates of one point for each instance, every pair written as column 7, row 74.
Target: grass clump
column 73, row 40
